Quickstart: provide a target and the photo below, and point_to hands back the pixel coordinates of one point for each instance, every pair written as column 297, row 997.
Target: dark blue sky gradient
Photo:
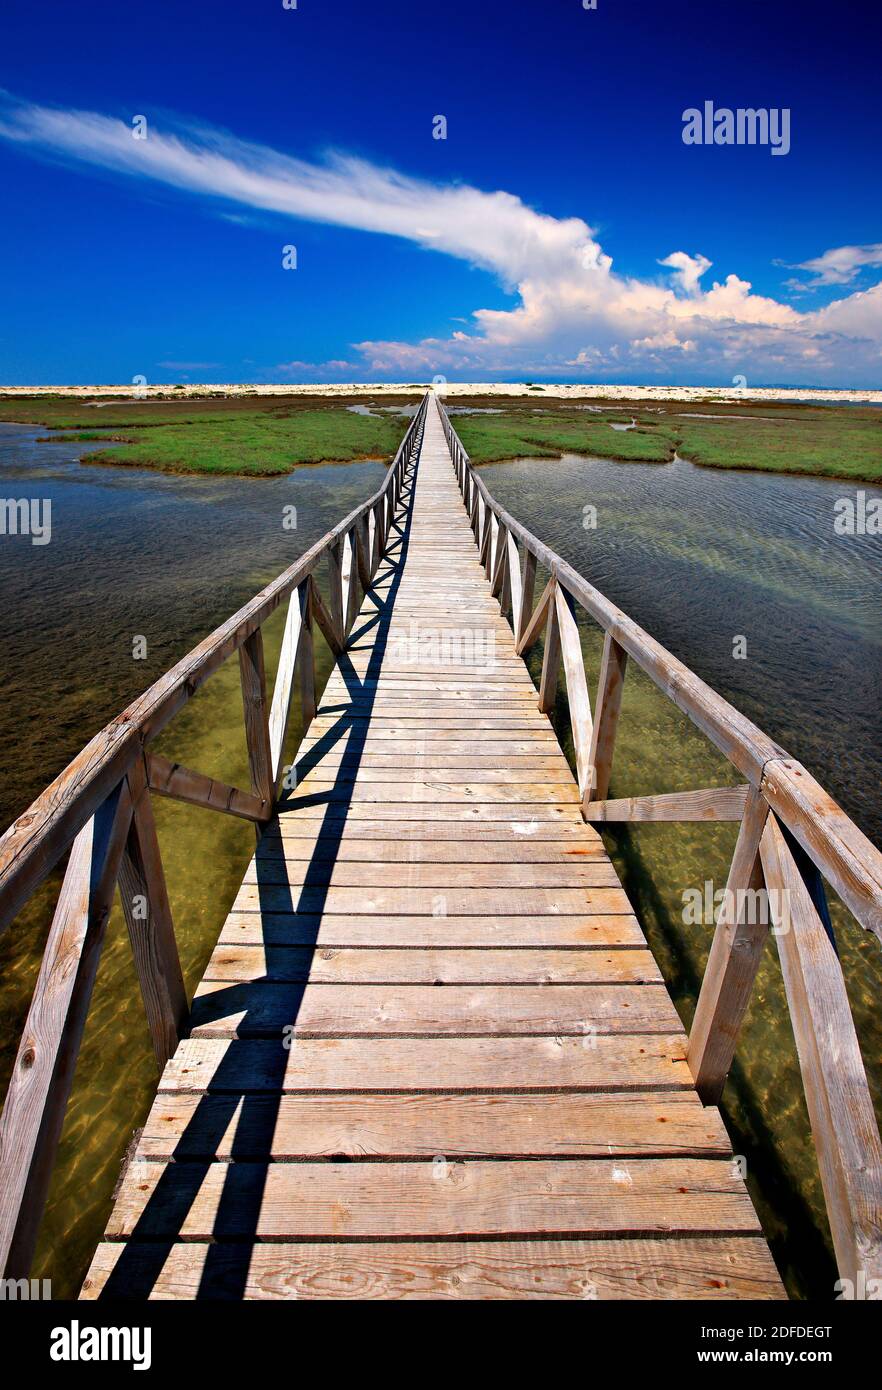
column 577, row 113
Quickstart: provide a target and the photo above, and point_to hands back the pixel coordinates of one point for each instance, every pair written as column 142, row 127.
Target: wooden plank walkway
column 432, row 1055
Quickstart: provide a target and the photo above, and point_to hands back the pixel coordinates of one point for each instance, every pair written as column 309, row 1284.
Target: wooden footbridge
column 431, row 1055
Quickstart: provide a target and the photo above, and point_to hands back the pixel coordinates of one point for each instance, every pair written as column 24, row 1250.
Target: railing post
column 335, row 584
column 550, row 659
column 254, row 703
column 350, row 582
column 379, row 542
column 491, row 531
column 834, row 1080
column 578, row 699
column 500, row 563
column 294, row 642
column 606, row 711
column 41, row 1080
column 363, row 552
column 527, row 594
column 306, row 656
column 151, row 930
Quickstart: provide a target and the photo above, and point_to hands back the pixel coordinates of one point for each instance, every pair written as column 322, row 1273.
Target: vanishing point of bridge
column 431, row 1054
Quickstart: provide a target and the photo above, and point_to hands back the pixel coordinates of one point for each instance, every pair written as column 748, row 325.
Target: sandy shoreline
column 457, row 388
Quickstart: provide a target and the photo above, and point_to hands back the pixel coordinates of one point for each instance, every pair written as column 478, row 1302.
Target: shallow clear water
column 696, row 556
column 700, row 557
column 132, row 553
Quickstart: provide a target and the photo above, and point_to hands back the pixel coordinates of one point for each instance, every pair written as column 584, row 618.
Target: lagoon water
column 702, row 557
column 698, row 556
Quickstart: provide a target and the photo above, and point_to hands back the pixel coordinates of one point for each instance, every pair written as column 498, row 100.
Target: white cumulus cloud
column 572, row 308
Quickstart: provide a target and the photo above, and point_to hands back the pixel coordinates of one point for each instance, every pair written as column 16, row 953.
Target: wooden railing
column 100, row 809
column 791, row 834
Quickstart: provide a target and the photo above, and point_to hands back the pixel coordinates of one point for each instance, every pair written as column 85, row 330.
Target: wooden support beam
column 363, row 552
column 500, row 563
column 475, row 510
column 716, row 804
column 379, row 532
column 513, row 580
column 39, row 1087
column 151, row 930
column 550, row 658
column 280, row 710
column 839, row 1103
column 527, row 593
column 577, row 686
column 323, row 618
column 256, row 708
column 171, row 779
column 536, row 623
column 350, row 582
column 335, row 610
column 491, row 529
column 733, row 960
column 372, row 537
column 306, row 656
column 609, row 701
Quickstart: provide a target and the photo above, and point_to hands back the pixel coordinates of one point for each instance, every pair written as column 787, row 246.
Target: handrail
column 100, row 805
column 791, row 832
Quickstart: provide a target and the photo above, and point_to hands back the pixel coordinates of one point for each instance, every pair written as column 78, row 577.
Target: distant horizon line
column 144, row 391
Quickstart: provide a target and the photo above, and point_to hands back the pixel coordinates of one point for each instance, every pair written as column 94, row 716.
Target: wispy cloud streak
column 574, row 312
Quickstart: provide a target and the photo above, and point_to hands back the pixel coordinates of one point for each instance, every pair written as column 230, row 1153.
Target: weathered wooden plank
column 704, row 1268
column 416, row 1125
column 325, row 1010
column 449, row 902
column 504, row 1197
column 408, row 719
column 324, row 930
column 348, row 771
column 428, row 966
column 593, row 1061
column 525, row 819
column 424, row 789
column 350, row 850
column 583, row 873
column 352, row 754
column 478, row 825
column 454, row 685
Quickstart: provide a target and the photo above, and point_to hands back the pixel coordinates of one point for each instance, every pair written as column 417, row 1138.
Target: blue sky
column 526, row 245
